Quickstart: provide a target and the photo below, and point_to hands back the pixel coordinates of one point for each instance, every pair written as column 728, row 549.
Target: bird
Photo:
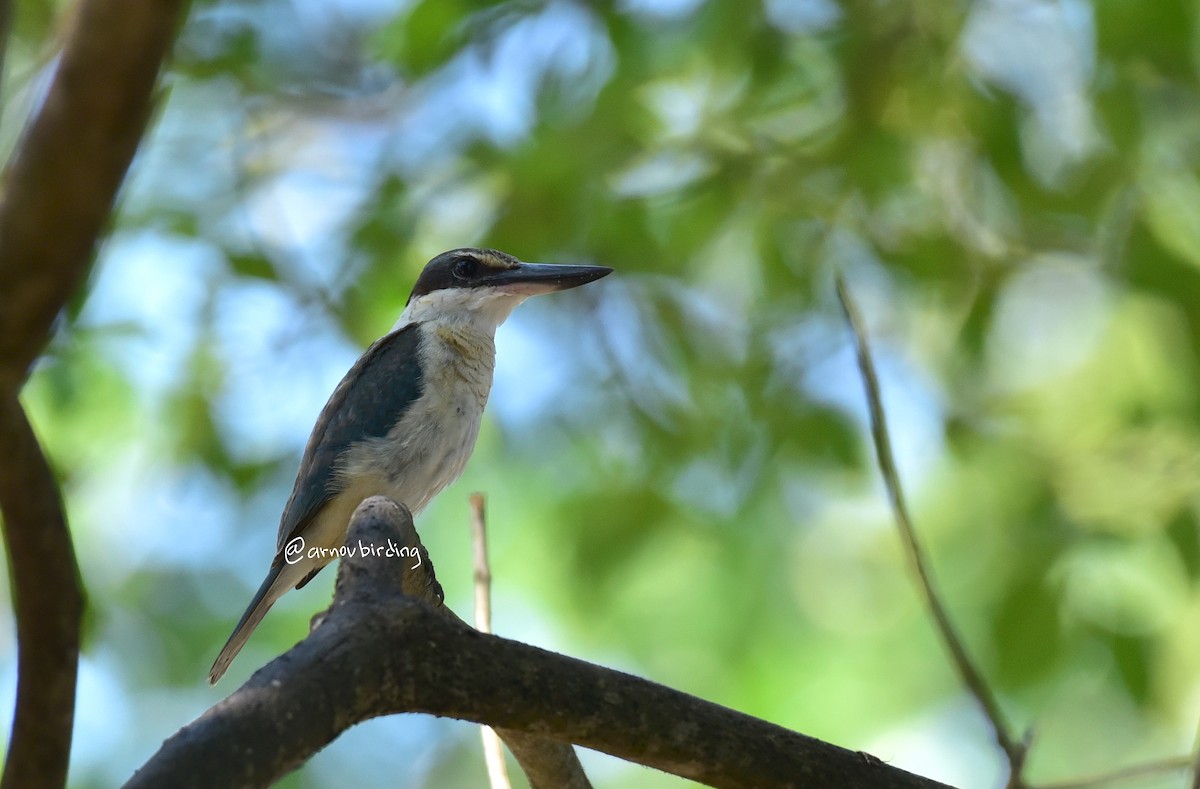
column 403, row 421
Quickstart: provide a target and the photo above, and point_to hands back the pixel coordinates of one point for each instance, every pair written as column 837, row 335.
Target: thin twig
column 1014, row 749
column 483, row 572
column 1124, row 774
column 1195, row 763
column 493, row 753
column 6, row 18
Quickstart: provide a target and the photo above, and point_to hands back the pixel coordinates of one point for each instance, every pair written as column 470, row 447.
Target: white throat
column 482, row 308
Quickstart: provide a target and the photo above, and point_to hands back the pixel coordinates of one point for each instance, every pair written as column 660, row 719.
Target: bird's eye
column 464, row 268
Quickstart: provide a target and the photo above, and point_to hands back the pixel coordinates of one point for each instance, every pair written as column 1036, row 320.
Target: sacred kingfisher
column 403, row 422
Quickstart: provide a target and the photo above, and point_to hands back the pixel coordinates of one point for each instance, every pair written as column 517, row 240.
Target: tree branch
column 1014, row 749
column 48, row 598
column 58, row 192
column 377, row 651
column 59, row 188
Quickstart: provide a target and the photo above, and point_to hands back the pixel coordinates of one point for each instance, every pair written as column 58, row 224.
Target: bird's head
column 483, row 286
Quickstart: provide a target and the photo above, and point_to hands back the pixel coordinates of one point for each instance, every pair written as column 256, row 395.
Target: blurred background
column 679, row 481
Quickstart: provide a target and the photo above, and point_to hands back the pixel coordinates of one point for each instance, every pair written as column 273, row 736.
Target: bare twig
column 547, row 764
column 379, row 651
column 493, row 753
column 1014, row 749
column 483, row 571
column 1195, row 782
column 1148, row 769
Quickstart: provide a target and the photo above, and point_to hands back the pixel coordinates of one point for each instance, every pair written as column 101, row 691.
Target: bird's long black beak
column 534, row 278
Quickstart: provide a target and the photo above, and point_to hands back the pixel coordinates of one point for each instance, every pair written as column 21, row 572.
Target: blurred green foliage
column 678, row 473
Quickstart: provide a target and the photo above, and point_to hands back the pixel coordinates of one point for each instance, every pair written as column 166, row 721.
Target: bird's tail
column 264, row 598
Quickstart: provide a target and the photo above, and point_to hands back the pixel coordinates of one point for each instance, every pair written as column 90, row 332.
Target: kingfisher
column 403, row 421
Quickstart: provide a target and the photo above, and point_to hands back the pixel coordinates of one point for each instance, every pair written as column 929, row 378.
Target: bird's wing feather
column 371, row 398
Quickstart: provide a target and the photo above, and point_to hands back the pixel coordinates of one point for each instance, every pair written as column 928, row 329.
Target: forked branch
column 384, row 648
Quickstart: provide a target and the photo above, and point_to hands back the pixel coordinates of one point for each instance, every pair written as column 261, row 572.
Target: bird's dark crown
column 461, row 268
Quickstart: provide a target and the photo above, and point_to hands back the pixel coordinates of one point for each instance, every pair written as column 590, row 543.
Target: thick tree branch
column 377, row 651
column 49, row 606
column 547, row 764
column 57, row 194
column 59, row 188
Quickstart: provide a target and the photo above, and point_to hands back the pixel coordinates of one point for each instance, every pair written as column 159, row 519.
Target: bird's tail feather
column 264, row 598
